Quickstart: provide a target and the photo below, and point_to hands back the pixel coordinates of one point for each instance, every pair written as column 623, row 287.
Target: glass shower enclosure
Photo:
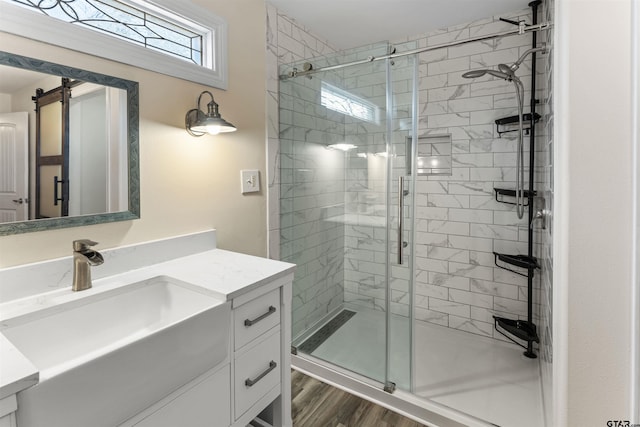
column 347, row 137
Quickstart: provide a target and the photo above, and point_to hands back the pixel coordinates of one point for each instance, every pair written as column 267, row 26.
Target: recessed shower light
column 342, row 146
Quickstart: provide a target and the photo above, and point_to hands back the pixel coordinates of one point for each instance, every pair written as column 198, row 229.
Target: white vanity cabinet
column 8, row 407
column 203, row 402
column 261, row 354
column 242, row 375
column 18, row 374
column 8, row 421
column 255, row 381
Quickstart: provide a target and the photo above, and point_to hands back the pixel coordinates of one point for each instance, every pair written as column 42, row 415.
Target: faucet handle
column 83, row 244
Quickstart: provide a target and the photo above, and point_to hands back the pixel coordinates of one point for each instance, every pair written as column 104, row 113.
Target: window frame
column 31, row 24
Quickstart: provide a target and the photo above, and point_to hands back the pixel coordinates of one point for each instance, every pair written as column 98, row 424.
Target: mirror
column 68, row 146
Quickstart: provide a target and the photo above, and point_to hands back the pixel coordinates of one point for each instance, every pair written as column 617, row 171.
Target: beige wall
column 5, row 103
column 187, row 184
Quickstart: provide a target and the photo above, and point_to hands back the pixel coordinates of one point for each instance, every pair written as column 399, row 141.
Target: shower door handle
column 400, row 217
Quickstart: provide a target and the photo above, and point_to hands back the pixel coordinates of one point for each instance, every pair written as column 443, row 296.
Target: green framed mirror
column 69, row 143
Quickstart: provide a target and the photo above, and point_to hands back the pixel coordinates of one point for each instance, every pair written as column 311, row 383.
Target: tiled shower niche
column 433, row 156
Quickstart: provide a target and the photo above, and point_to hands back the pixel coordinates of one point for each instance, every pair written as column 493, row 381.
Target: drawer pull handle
column 249, row 382
column 249, row 322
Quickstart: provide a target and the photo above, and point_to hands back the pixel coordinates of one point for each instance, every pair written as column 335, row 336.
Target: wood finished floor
column 316, row 404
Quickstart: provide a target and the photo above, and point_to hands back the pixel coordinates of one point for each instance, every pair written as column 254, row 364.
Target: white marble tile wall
column 365, row 196
column 458, row 221
column 545, row 249
column 305, row 179
column 287, row 42
column 365, row 192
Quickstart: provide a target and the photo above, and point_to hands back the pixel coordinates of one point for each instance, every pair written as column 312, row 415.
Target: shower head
column 473, row 74
column 501, row 74
column 506, row 69
column 507, row 72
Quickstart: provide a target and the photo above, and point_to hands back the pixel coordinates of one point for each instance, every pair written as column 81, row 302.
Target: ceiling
column 350, row 23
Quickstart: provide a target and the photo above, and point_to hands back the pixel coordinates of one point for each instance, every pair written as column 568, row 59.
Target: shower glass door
column 343, row 138
column 402, row 99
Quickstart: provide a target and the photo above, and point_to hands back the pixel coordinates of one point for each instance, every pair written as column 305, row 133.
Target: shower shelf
column 522, row 329
column 503, row 124
column 522, row 261
column 505, row 192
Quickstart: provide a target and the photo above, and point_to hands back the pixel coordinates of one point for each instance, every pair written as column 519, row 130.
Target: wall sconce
column 198, row 123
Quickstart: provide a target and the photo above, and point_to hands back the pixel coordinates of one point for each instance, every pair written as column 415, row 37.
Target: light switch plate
column 250, row 180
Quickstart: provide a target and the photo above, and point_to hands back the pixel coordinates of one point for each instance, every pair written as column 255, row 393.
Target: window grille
column 128, row 22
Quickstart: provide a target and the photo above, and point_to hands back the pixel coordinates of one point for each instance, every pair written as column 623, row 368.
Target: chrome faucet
column 83, row 258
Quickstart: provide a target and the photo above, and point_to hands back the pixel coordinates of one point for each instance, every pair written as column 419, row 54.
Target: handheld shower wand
column 508, row 73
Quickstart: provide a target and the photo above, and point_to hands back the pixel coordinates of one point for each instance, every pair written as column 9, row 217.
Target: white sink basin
column 105, row 357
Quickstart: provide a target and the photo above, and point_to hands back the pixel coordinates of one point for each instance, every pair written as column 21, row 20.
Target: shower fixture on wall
column 474, row 74
column 508, row 73
column 523, row 329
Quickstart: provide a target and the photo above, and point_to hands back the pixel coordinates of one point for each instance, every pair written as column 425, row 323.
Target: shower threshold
column 401, row 402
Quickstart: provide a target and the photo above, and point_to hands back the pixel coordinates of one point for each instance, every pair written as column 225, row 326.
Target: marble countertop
column 225, row 274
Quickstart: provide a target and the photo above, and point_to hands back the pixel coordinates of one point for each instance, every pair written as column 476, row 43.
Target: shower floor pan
column 487, row 380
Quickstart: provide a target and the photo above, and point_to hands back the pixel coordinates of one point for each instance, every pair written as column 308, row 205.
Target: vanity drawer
column 256, row 317
column 256, row 372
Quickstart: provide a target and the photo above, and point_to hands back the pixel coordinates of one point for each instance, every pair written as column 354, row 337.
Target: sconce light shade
column 199, row 123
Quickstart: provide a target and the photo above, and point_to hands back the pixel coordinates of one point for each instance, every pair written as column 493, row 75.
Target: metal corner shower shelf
column 525, row 330
column 532, row 335
column 507, row 192
column 503, row 123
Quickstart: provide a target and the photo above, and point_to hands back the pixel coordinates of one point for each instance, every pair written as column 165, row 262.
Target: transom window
column 349, row 104
column 173, row 37
column 127, row 22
